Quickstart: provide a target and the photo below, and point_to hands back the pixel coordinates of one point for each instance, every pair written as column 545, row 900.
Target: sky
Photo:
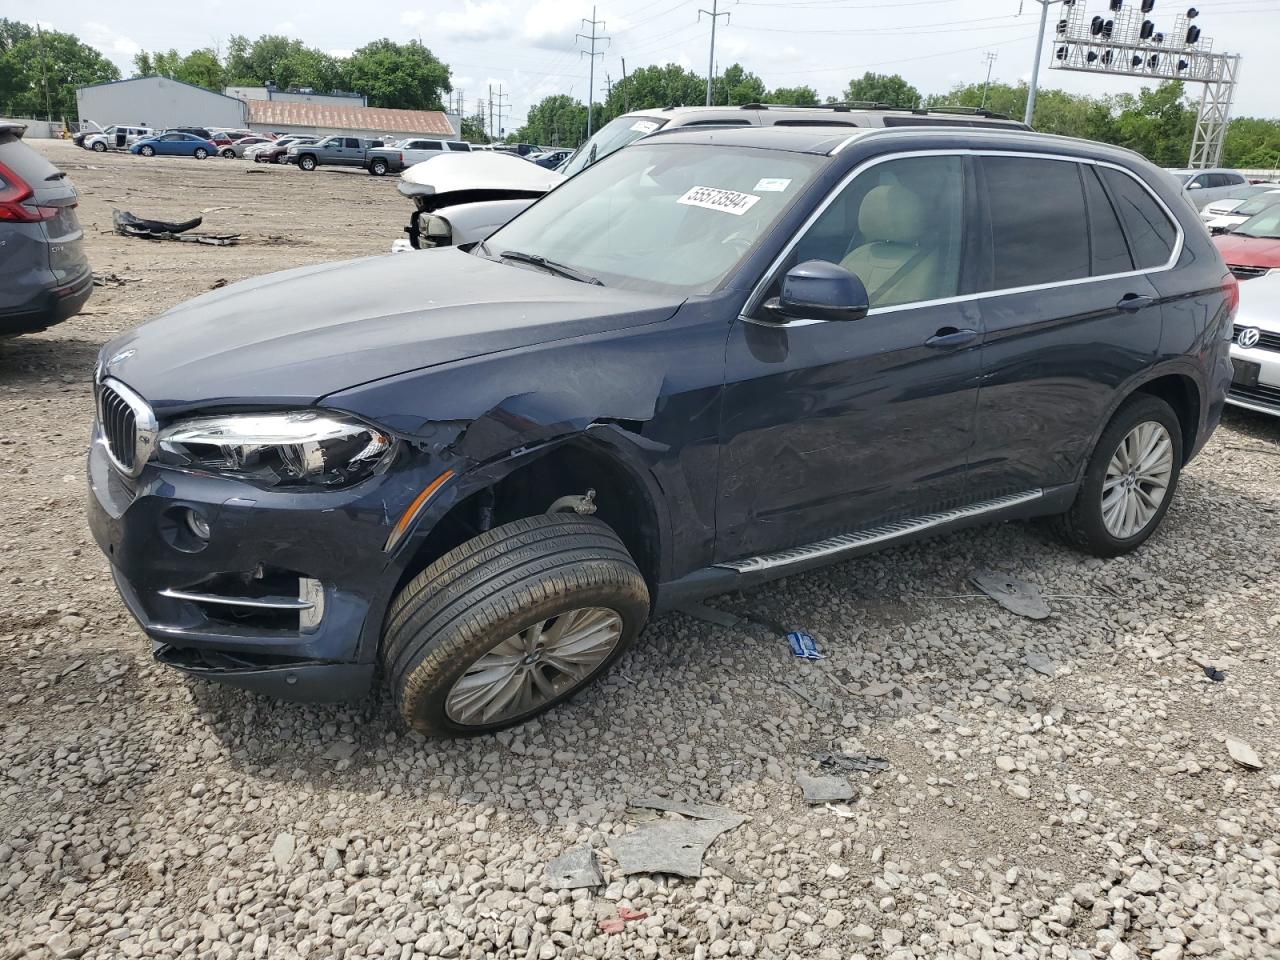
column 529, row 47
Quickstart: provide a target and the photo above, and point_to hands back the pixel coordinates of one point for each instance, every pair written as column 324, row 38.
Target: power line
column 592, row 54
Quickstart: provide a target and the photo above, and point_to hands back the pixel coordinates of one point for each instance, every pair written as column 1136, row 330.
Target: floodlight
column 1147, row 30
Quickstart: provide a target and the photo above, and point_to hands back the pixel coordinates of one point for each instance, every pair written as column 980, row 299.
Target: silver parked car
column 1202, row 187
column 44, row 275
column 1255, row 347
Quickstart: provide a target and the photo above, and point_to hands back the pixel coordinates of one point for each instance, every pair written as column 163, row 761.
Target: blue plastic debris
column 804, row 646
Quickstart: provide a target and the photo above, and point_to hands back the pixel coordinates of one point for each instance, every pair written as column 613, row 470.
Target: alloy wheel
column 535, row 666
column 1137, row 480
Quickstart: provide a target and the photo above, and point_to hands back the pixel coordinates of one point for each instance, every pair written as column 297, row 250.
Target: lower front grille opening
column 187, row 658
column 265, row 599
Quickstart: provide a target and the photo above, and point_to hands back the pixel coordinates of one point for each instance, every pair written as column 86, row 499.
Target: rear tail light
column 14, row 194
column 1231, row 290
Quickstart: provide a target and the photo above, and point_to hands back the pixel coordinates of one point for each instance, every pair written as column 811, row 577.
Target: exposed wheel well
column 621, row 501
column 1181, row 393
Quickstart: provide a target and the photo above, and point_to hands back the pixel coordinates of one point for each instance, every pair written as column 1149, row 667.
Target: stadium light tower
column 1125, row 41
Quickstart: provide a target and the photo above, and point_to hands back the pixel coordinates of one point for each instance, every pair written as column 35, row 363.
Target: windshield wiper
column 559, row 269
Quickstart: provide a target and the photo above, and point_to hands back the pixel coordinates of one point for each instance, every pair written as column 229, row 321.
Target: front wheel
column 1129, row 482
column 510, row 623
column 307, row 163
column 229, row 153
column 99, row 147
column 201, row 153
column 147, row 151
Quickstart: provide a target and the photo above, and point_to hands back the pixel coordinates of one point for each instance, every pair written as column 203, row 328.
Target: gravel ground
column 1058, row 788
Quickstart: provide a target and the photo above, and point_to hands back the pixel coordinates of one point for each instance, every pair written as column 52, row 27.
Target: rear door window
column 353, row 143
column 1039, row 230
column 1152, row 235
column 459, row 146
column 1110, row 251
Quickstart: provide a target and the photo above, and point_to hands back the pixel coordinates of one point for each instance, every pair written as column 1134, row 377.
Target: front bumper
column 262, row 546
column 1264, row 396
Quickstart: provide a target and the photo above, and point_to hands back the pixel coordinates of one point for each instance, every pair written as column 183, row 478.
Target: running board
column 877, row 535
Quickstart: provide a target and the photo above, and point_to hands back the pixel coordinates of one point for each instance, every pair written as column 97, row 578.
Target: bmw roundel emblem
column 1249, row 337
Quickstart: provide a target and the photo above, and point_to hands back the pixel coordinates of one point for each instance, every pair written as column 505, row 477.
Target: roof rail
column 965, row 111
column 850, row 105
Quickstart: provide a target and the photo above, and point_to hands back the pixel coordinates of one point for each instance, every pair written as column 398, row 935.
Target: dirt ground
column 1057, row 788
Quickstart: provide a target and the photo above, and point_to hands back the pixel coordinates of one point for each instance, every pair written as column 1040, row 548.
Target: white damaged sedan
column 1255, row 347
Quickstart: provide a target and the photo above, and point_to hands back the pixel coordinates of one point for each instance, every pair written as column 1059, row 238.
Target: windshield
column 1253, row 207
column 1183, row 177
column 660, row 216
column 614, row 135
column 1265, row 225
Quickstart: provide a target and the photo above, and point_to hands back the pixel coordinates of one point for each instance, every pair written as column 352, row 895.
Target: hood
column 478, row 171
column 1248, row 251
column 1260, row 303
column 291, row 338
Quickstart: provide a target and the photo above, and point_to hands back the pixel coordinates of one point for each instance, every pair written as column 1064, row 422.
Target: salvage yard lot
column 1058, row 788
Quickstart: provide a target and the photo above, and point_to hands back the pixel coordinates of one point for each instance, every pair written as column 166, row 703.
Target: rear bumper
column 50, row 306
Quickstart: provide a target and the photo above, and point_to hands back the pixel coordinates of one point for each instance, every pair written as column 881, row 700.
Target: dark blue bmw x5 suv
column 716, row 357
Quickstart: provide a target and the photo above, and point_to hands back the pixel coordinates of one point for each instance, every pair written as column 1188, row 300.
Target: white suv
column 116, row 137
column 1202, row 187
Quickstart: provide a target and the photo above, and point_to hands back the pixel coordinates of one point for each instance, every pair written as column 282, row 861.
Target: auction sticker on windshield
column 714, row 198
column 644, row 126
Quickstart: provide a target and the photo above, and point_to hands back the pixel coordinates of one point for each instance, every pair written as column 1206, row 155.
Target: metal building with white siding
column 160, row 103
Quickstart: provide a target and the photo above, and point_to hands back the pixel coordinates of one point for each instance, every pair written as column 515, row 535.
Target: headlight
column 301, row 448
column 438, row 231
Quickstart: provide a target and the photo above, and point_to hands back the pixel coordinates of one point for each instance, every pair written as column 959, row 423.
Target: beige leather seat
column 896, row 261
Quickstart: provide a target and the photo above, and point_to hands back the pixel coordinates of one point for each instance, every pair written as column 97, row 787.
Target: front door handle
column 1133, row 302
column 950, row 337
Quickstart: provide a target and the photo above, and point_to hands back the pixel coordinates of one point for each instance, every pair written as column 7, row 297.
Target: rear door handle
column 950, row 337
column 1133, row 302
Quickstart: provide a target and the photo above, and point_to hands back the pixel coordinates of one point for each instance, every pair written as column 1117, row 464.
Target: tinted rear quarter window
column 1151, row 234
column 25, row 162
column 1038, row 225
column 1106, row 237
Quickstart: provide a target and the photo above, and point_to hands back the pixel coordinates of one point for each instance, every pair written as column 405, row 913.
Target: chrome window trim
column 757, row 293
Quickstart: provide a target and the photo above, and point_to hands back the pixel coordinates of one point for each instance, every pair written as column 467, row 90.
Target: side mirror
column 1194, row 186
column 819, row 290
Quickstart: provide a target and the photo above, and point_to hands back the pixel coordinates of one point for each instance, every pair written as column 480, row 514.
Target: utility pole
column 608, row 87
column 44, row 73
column 1035, row 68
column 626, row 92
column 502, row 108
column 715, row 14
column 594, row 37
column 990, row 57
column 491, row 136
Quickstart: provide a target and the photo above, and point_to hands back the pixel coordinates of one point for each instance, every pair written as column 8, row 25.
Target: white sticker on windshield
column 644, row 126
column 772, row 185
column 726, row 201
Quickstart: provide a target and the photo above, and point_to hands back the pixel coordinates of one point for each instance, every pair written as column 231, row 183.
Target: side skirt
column 749, row 571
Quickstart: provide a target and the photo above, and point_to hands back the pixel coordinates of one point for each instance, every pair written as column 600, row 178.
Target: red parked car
column 1252, row 249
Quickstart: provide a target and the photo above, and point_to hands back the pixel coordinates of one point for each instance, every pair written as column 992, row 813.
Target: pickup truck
column 399, row 156
column 334, row 151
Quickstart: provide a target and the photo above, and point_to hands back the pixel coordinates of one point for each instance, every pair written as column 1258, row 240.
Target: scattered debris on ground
column 128, row 225
column 574, row 869
column 803, row 646
column 672, row 846
column 1243, row 754
column 113, row 280
column 824, row 789
column 851, row 762
column 1012, row 594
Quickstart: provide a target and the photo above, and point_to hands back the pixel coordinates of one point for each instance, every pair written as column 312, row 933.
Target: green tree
column 1252, row 143
column 1158, row 123
column 794, row 96
column 736, row 86
column 405, row 76
column 558, row 121
column 1068, row 114
column 29, row 61
column 887, row 88
column 200, row 67
column 473, row 129
column 666, row 86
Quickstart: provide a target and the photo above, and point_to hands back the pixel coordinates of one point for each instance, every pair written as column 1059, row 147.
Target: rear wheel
column 1129, row 482
column 201, row 153
column 511, row 623
column 378, row 168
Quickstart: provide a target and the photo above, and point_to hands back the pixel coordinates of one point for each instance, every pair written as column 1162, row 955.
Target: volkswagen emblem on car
column 1249, row 337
